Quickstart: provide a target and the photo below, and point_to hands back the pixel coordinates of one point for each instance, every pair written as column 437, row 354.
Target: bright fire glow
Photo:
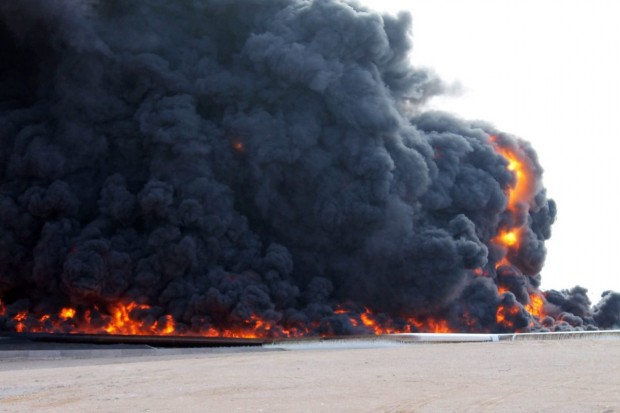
column 503, row 315
column 67, row 313
column 132, row 319
column 122, row 322
column 378, row 326
column 521, row 192
column 20, row 318
column 509, row 238
column 431, row 325
column 536, row 306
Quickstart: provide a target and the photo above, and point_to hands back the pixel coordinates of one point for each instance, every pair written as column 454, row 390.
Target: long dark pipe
column 153, row 341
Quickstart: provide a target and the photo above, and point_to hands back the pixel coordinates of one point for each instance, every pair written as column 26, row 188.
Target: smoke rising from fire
column 229, row 163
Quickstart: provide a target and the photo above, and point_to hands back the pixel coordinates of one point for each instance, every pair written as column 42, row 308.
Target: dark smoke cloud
column 219, row 159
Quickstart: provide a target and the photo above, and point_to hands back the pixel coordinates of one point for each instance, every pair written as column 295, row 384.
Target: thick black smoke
column 221, row 159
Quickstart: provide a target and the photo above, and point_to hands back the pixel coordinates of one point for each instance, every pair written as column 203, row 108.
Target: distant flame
column 238, row 146
column 20, row 318
column 379, row 325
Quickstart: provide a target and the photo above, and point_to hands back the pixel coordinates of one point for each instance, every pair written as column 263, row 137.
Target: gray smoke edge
column 220, row 159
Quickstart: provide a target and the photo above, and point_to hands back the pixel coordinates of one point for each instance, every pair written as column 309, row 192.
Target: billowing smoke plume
column 224, row 161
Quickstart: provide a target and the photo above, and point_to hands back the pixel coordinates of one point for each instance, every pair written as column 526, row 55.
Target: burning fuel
column 248, row 169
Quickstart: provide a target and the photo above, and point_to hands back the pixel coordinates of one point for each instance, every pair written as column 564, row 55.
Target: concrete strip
column 443, row 338
column 102, row 353
column 563, row 335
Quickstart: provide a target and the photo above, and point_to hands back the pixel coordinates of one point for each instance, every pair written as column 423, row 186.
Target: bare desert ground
column 532, row 376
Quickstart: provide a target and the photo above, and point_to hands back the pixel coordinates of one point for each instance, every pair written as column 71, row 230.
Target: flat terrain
column 527, row 376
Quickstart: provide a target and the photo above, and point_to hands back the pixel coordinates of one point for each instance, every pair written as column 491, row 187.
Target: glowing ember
column 20, row 318
column 238, row 146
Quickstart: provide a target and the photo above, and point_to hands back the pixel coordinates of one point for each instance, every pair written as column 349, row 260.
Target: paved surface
column 530, row 376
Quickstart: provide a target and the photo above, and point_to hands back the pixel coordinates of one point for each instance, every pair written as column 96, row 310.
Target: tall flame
column 523, row 188
column 519, row 194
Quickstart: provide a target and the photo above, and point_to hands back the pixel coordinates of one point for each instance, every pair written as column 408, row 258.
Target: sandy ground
column 537, row 376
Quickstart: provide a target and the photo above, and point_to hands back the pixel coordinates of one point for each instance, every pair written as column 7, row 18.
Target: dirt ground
column 535, row 376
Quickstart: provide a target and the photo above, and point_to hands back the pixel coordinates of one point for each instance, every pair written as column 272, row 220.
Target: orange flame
column 67, row 313
column 122, row 322
column 440, row 326
column 125, row 319
column 168, row 327
column 536, row 306
column 521, row 192
column 368, row 321
column 503, row 313
column 380, row 325
column 509, row 238
column 431, row 325
column 20, row 318
column 502, row 290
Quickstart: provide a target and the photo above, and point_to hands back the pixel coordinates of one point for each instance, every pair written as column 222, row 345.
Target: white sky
column 549, row 72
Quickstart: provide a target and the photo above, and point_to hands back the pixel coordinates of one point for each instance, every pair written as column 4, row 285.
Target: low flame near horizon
column 124, row 318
